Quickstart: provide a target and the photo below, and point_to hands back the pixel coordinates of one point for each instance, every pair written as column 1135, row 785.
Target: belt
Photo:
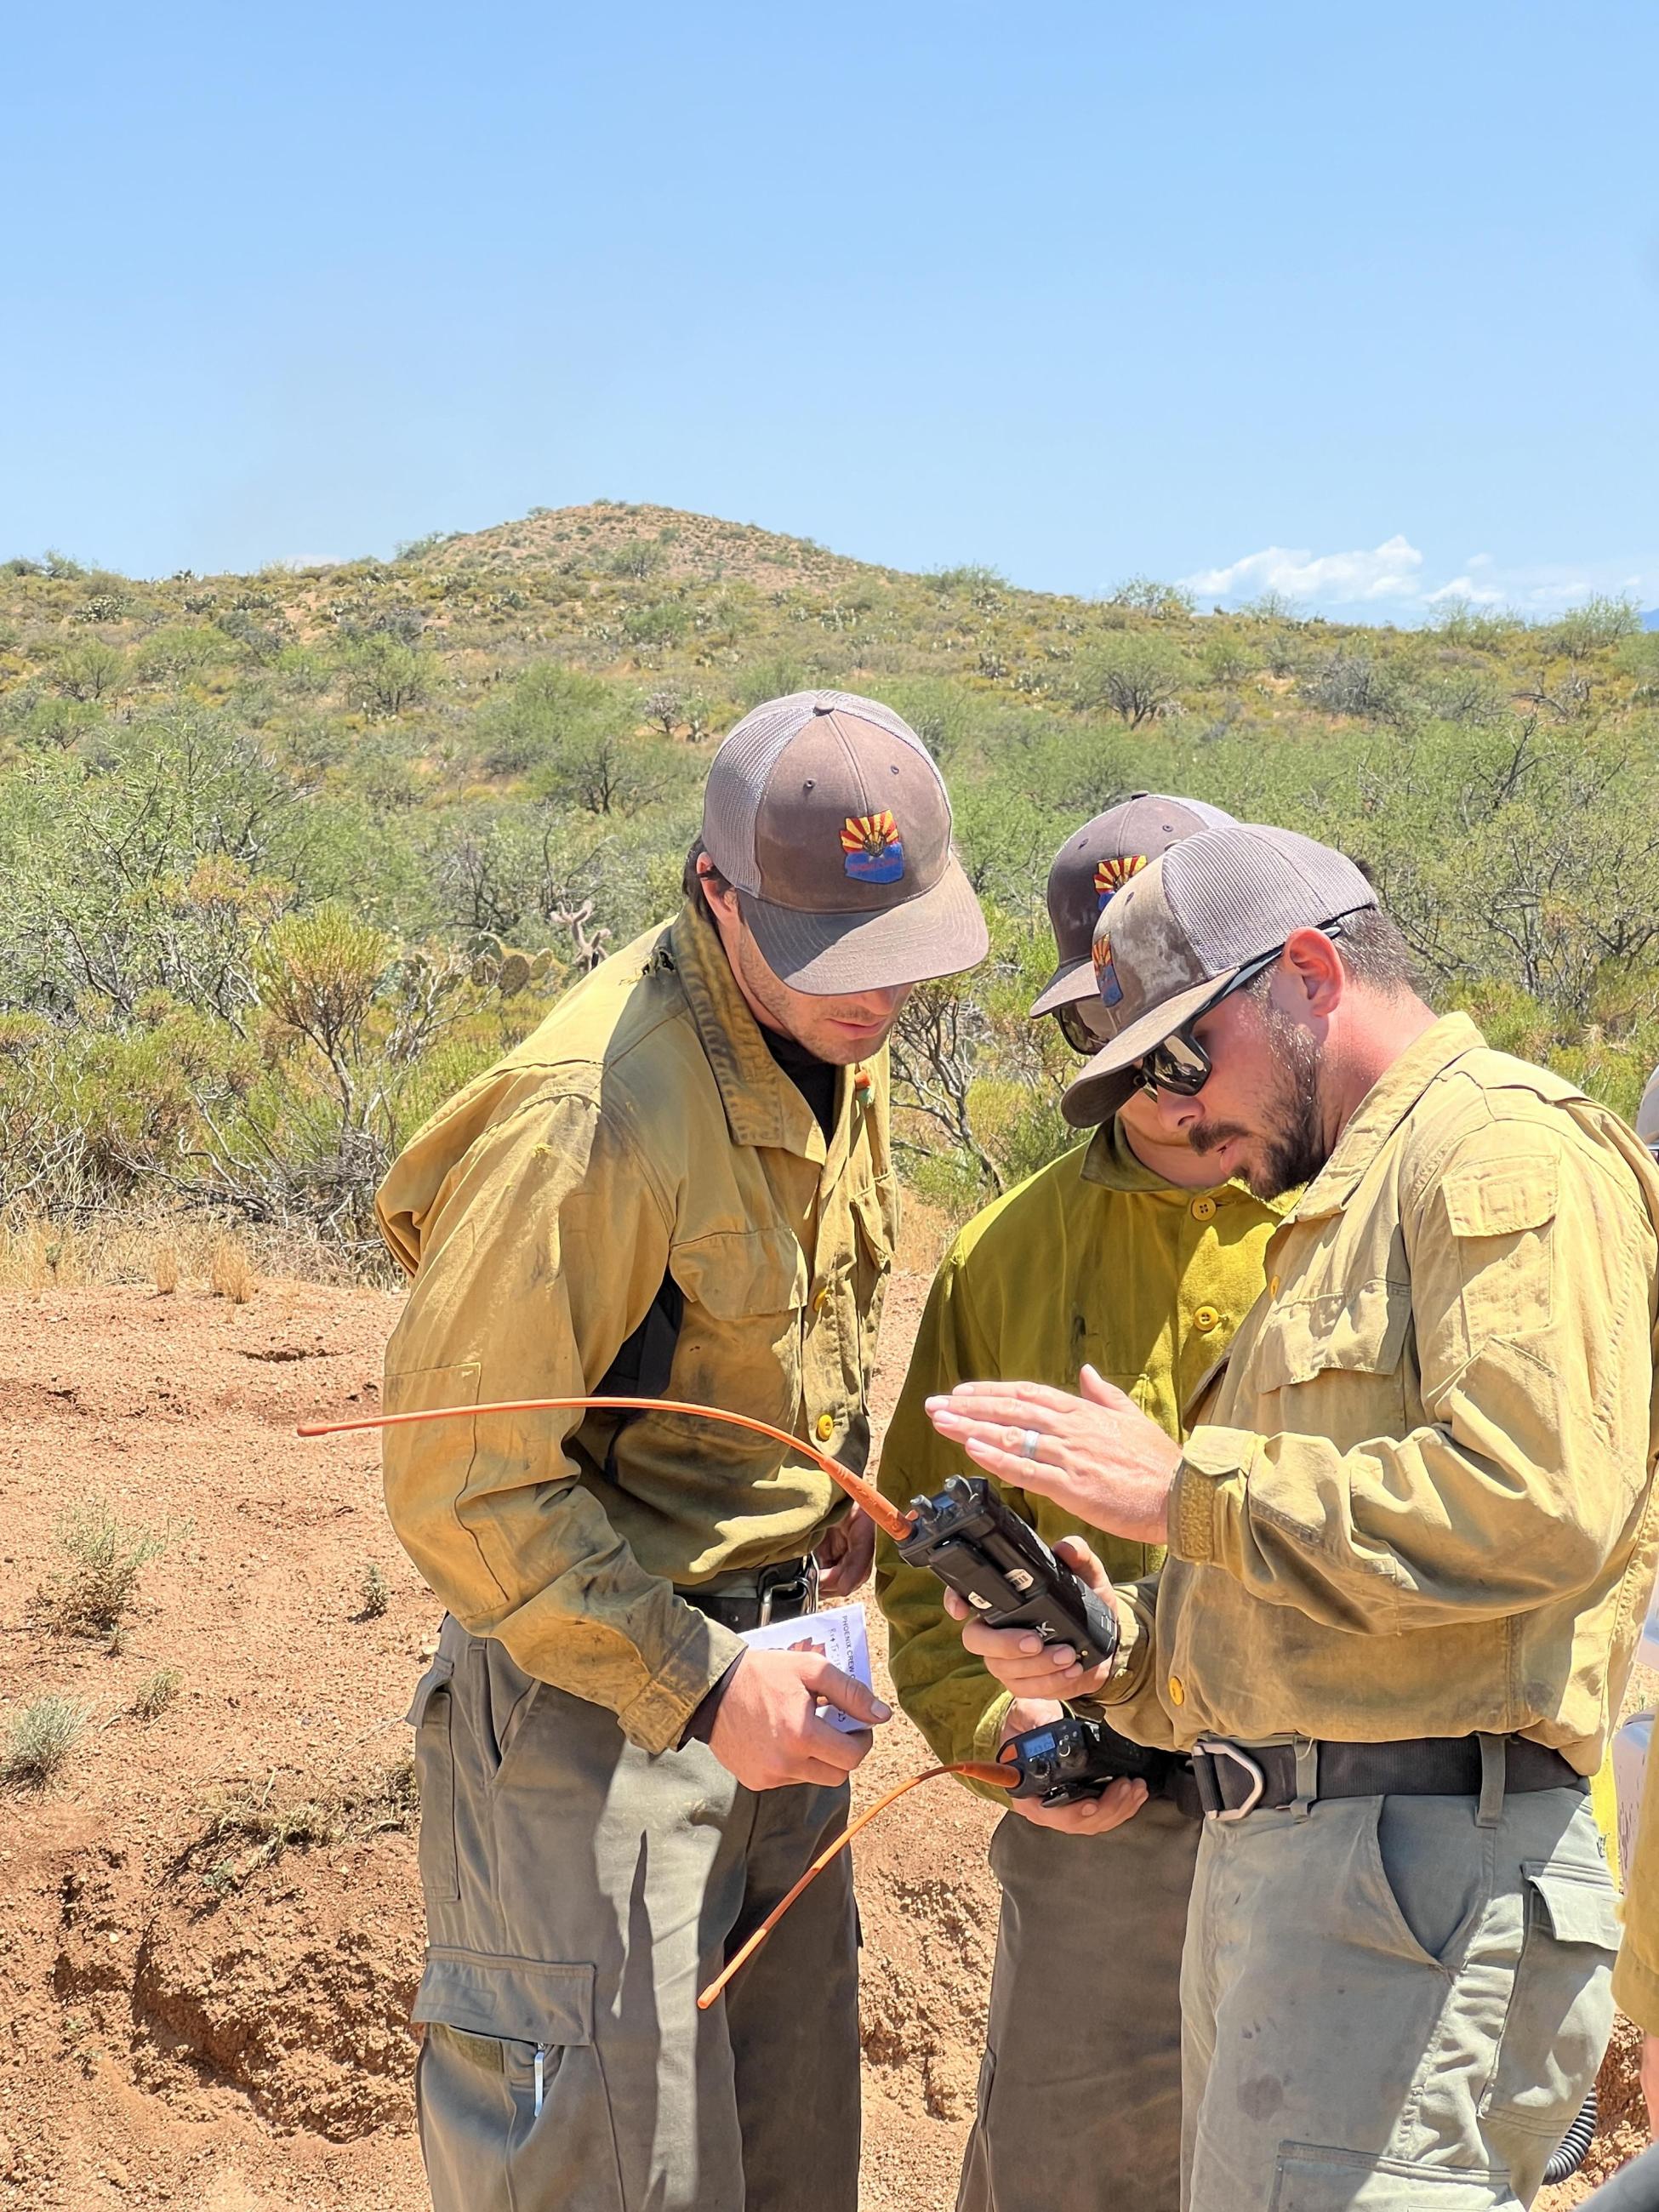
column 781, row 1592
column 1229, row 1780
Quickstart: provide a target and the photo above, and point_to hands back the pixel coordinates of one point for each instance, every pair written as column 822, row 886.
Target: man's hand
column 1650, row 2081
column 766, row 1730
column 1090, row 1816
column 1019, row 1658
column 1097, row 1455
column 845, row 1555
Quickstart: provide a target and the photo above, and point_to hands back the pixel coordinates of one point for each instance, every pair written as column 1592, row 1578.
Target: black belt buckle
column 1206, row 1754
column 787, row 1591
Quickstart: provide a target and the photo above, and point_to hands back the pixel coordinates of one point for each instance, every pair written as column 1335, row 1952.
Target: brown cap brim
column 940, row 933
column 1105, row 1083
column 1071, row 982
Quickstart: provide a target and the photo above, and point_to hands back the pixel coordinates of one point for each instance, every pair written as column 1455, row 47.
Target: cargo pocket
column 517, row 2081
column 430, row 1715
column 1560, row 2008
column 1317, row 2177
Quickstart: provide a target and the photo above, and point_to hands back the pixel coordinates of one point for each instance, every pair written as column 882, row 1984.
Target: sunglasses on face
column 1083, row 1026
column 1181, row 1064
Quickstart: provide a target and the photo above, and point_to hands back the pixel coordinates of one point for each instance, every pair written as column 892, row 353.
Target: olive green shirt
column 644, row 1130
column 1094, row 1258
column 1418, row 1500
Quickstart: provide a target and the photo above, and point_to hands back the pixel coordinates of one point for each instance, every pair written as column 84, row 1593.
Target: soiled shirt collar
column 1381, row 1111
column 762, row 1106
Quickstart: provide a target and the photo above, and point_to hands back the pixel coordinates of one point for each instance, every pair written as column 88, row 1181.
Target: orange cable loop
column 886, row 1516
column 997, row 1777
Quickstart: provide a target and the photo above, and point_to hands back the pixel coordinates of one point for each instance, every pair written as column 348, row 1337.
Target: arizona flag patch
column 1111, row 875
column 1105, row 974
column 873, row 848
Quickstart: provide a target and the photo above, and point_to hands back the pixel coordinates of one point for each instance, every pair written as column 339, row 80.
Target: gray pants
column 1391, row 2007
column 579, row 1894
column 1080, row 2095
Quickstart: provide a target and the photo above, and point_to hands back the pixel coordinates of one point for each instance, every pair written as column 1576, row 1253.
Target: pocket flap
column 737, row 1273
column 1580, row 1907
column 1503, row 1200
column 518, row 2000
column 872, row 1224
column 435, row 1678
column 1362, row 1332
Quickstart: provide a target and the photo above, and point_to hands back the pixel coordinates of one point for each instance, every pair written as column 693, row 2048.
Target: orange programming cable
column 976, row 1770
column 886, row 1516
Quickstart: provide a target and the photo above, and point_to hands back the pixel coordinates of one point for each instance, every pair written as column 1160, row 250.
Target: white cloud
column 1390, row 578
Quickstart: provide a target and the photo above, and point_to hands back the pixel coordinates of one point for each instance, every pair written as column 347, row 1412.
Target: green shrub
column 38, row 1738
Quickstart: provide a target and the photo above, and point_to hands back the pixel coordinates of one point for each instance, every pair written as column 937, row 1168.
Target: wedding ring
column 1027, row 1449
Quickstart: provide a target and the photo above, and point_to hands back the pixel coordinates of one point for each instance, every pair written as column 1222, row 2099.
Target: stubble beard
column 1294, row 1149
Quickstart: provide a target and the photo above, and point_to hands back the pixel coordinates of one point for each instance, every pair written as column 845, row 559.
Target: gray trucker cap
column 1182, row 927
column 826, row 814
column 1099, row 859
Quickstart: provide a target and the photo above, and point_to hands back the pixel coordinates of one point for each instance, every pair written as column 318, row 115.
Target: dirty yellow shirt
column 643, row 1130
column 1636, row 1971
column 1094, row 1258
column 1418, row 1501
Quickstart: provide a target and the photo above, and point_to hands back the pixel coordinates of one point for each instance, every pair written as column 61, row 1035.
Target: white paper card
column 839, row 1635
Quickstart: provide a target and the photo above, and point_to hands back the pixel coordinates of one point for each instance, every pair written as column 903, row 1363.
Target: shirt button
column 1273, row 1288
column 1178, row 1691
column 1204, row 1319
column 1204, row 1209
column 821, row 1301
column 825, row 1427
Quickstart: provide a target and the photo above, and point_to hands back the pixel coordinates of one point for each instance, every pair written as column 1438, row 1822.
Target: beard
column 1292, row 1139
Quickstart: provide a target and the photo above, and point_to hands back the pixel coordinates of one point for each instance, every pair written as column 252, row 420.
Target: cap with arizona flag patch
column 825, row 813
column 1099, row 859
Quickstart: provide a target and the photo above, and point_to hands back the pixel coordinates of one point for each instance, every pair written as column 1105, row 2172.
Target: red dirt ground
column 187, row 2026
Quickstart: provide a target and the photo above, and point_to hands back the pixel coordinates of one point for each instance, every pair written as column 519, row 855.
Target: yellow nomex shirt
column 1418, row 1501
column 1094, row 1258
column 644, row 1131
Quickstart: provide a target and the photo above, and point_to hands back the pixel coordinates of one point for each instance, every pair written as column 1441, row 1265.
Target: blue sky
column 1356, row 303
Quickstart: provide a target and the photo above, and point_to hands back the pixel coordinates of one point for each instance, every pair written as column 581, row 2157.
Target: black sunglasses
column 1072, row 1020
column 1180, row 1063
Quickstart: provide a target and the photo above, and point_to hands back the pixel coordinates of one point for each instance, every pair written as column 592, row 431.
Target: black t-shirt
column 814, row 1079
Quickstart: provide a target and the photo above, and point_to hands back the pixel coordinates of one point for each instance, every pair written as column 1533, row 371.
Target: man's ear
column 718, row 892
column 1313, row 973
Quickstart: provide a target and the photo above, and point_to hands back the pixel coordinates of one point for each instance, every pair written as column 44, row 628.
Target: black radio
column 1071, row 1759
column 981, row 1548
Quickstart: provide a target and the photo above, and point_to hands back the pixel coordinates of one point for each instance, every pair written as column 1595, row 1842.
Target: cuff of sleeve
column 1636, row 1989
column 1133, row 1656
column 656, row 1719
column 987, row 1736
column 1208, row 1494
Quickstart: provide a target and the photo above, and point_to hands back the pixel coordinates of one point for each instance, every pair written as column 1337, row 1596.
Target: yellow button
column 821, row 1301
column 1178, row 1691
column 825, row 1425
column 1273, row 1288
column 1203, row 1209
column 1205, row 1319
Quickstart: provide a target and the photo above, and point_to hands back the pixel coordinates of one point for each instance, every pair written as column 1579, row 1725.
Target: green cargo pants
column 1390, row 2005
column 1080, row 2095
column 579, row 1893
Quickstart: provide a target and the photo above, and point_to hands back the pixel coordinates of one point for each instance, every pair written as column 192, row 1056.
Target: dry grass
column 231, row 1272
column 157, row 1691
column 167, row 1247
column 251, row 1828
column 93, row 1596
column 924, row 1232
column 38, row 1739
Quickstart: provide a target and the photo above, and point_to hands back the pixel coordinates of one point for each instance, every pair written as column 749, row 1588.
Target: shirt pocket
column 1501, row 1216
column 740, row 1337
column 1359, row 1333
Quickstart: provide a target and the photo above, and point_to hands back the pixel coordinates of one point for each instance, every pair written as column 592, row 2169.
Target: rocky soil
column 211, row 1927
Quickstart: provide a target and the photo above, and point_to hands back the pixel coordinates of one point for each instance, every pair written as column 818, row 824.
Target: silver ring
column 1027, row 1449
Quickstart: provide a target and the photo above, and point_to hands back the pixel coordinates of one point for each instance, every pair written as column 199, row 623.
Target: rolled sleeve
column 539, row 1257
